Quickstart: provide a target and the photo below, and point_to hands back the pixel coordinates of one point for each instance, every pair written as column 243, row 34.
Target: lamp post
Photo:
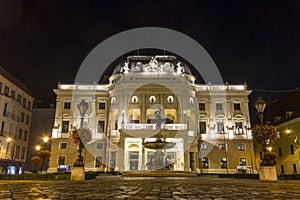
column 82, row 107
column 260, row 106
column 46, row 153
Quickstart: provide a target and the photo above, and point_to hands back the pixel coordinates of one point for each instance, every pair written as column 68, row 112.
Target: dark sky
column 45, row 41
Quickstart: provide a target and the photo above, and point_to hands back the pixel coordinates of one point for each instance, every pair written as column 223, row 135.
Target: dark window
column 223, row 163
column 29, row 105
column 279, row 151
column 63, row 145
column 222, row 146
column 22, row 117
column 100, row 127
column 2, row 129
column 292, row 149
column 100, row 145
column 27, row 119
column 61, row 160
column 282, row 169
column 0, row 87
column 17, row 151
column 201, row 106
column 23, row 153
column 205, row 163
column 25, row 135
column 239, row 128
column 67, row 105
column 65, row 127
column 6, row 91
column 220, row 127
column 13, row 94
column 116, row 125
column 98, row 161
column 203, row 146
column 241, row 147
column 20, row 134
column 24, row 102
column 202, row 126
column 219, row 106
column 4, row 110
column 237, row 106
column 243, row 161
column 294, row 168
column 19, row 98
column 101, row 106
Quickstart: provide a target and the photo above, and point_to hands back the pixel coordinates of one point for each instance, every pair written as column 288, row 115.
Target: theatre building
column 206, row 127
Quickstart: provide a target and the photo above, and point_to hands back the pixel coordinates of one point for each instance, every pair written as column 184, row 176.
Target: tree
column 36, row 160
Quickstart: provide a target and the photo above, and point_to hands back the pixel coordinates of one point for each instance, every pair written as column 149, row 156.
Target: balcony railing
column 153, row 127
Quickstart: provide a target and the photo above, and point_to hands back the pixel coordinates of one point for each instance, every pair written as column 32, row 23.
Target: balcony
column 153, row 127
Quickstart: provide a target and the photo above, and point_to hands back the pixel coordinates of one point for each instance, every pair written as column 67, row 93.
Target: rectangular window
column 222, row 146
column 205, row 163
column 201, row 106
column 0, row 87
column 220, row 127
column 223, row 163
column 100, row 127
column 23, row 153
column 202, row 126
column 237, row 106
column 5, row 108
column 13, row 94
column 25, row 135
column 6, row 91
column 241, row 147
column 101, row 106
column 282, row 169
column 203, row 146
column 243, row 161
column 279, row 151
column 61, row 160
column 294, row 168
column 2, row 128
column 29, row 105
column 19, row 98
column 27, row 119
column 65, row 127
column 239, row 128
column 20, row 134
column 67, row 105
column 17, row 152
column 24, row 102
column 292, row 149
column 219, row 106
column 100, row 145
column 98, row 161
column 63, row 145
column 22, row 117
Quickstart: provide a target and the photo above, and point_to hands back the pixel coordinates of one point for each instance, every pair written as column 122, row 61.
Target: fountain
column 159, row 162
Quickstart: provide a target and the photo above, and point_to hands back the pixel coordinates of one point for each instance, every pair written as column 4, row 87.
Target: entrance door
column 134, row 160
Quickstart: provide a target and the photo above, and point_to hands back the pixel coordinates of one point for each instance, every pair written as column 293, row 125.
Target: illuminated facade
column 209, row 124
column 15, row 117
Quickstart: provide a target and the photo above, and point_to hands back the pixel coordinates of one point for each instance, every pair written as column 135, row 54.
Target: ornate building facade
column 15, row 118
column 208, row 125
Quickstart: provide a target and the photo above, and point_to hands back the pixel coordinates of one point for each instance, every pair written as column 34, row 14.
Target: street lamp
column 82, row 107
column 38, row 147
column 45, row 139
column 260, row 106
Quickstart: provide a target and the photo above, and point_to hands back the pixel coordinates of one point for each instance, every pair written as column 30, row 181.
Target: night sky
column 45, row 41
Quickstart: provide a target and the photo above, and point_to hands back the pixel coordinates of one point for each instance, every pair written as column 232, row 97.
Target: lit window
column 239, row 128
column 65, row 127
column 203, row 146
column 134, row 99
column 170, row 99
column 152, row 99
column 100, row 127
column 220, row 127
column 223, row 163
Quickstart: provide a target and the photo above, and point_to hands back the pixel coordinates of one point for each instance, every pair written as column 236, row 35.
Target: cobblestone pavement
column 150, row 188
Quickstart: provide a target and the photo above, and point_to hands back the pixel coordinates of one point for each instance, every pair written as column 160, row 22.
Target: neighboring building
column 41, row 126
column 208, row 123
column 285, row 114
column 15, row 119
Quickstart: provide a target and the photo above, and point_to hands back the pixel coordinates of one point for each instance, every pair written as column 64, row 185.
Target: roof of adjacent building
column 14, row 80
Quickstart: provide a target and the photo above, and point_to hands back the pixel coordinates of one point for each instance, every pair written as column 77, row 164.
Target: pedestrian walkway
column 150, row 188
